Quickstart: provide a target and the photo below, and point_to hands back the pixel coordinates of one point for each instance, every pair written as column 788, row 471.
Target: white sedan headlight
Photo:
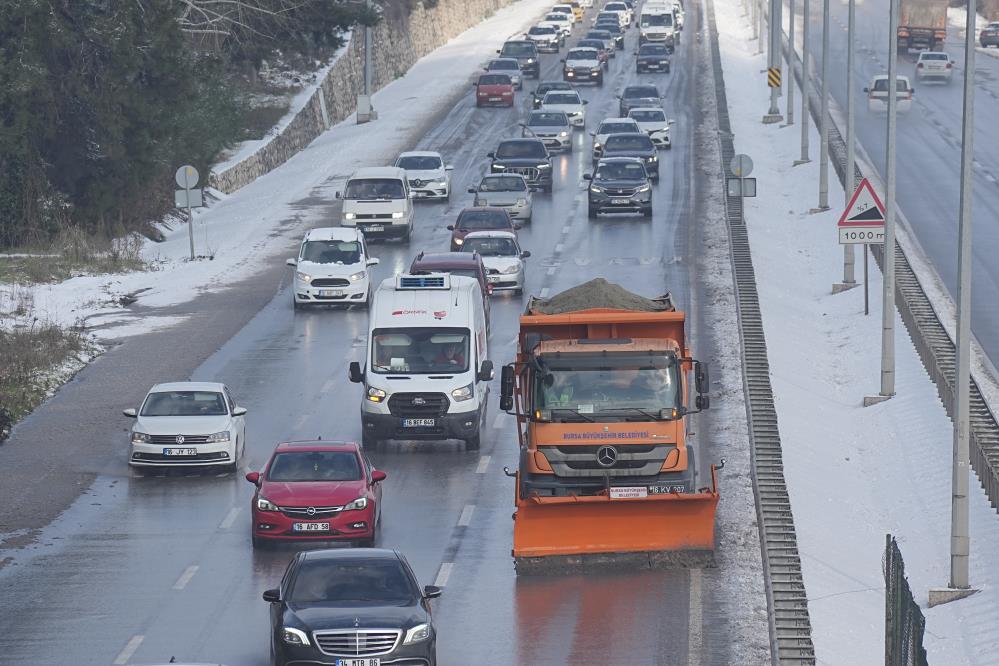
column 358, row 276
column 357, row 505
column 139, row 438
column 217, row 437
column 510, row 270
column 304, row 277
column 420, row 632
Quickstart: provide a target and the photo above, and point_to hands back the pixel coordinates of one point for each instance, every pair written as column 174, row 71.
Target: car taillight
column 950, row 65
column 919, row 65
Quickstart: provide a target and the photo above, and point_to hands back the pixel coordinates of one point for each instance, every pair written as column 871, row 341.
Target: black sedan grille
column 417, row 405
column 171, row 440
column 357, row 642
column 330, row 282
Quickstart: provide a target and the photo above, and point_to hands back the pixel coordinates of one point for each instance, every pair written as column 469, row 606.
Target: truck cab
column 426, row 371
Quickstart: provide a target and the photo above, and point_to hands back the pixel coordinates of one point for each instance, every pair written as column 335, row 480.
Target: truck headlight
column 357, row 505
column 304, row 277
column 217, row 437
column 358, row 276
column 293, row 636
column 375, row 394
column 462, row 394
column 349, row 216
column 140, row 438
column 264, row 504
column 397, row 215
column 420, row 632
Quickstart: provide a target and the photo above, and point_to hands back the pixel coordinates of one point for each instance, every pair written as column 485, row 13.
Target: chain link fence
column 904, row 621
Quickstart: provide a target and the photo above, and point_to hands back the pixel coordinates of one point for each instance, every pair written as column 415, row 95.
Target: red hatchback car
column 316, row 491
column 480, row 218
column 494, row 90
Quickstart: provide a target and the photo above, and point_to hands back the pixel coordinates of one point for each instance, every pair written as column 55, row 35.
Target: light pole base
column 772, row 118
column 365, row 112
column 840, row 287
column 945, row 595
column 820, row 209
column 870, row 400
column 800, row 162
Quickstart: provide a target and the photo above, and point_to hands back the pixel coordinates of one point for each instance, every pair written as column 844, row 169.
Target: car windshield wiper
column 573, row 412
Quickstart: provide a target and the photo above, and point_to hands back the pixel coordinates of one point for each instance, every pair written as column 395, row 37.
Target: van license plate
column 330, row 293
column 418, row 423
column 310, row 527
column 366, row 661
column 180, row 452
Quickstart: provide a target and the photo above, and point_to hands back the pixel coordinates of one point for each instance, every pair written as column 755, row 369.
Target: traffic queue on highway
column 427, row 368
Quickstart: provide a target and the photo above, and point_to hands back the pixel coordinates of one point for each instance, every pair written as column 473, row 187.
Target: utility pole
column 763, row 29
column 824, row 120
column 774, row 62
column 790, row 65
column 805, row 85
column 959, row 534
column 849, row 256
column 365, row 111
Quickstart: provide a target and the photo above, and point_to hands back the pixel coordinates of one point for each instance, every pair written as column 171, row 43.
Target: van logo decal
column 396, row 313
column 440, row 314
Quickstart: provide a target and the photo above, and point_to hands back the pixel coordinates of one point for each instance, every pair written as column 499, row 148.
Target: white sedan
column 502, row 257
column 428, row 176
column 934, row 65
column 569, row 102
column 610, row 126
column 560, row 22
column 877, row 94
column 183, row 424
column 653, row 121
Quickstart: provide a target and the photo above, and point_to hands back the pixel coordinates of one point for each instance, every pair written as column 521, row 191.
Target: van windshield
column 374, row 188
column 331, row 252
column 656, row 20
column 419, row 351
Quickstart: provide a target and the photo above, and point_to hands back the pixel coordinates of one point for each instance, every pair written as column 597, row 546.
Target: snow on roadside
column 247, row 228
column 854, row 473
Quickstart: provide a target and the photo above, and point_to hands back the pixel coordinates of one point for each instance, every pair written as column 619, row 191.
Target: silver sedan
column 505, row 190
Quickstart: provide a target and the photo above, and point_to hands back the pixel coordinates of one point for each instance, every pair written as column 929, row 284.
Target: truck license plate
column 180, row 452
column 367, row 661
column 667, row 489
column 310, row 527
column 330, row 293
column 418, row 423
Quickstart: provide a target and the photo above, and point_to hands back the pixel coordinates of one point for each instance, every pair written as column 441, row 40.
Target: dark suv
column 635, row 96
column 526, row 53
column 528, row 157
column 637, row 145
column 619, row 185
column 467, row 264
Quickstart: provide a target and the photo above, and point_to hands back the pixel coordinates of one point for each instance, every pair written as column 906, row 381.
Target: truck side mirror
column 506, row 388
column 354, row 372
column 701, row 382
column 485, row 372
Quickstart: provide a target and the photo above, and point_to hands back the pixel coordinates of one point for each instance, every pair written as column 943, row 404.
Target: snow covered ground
column 854, row 473
column 249, row 227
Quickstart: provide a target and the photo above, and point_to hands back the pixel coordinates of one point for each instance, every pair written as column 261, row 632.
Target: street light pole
column 849, row 256
column 888, row 295
column 805, row 84
column 824, row 120
column 774, row 59
column 790, row 64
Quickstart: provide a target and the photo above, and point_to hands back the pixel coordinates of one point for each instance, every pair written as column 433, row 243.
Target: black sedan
column 614, row 28
column 634, row 145
column 351, row 606
column 544, row 88
column 652, row 58
column 619, row 185
column 528, row 157
column 635, row 96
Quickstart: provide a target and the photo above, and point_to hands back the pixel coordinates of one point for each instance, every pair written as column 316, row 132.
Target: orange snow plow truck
column 600, row 392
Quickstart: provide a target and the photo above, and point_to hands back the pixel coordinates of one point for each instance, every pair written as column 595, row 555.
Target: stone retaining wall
column 399, row 41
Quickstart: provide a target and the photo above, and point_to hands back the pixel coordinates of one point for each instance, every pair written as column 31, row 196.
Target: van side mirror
column 516, row 227
column 506, row 388
column 701, row 382
column 493, row 155
column 485, row 372
column 373, row 261
column 354, row 372
column 291, row 262
column 449, row 167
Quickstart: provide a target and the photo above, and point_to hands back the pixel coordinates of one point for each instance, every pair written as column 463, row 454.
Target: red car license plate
column 310, row 527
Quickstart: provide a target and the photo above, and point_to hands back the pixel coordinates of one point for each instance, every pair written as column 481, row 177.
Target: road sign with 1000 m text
column 863, row 221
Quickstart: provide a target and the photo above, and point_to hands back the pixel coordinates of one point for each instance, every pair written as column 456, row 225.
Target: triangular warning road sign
column 865, row 208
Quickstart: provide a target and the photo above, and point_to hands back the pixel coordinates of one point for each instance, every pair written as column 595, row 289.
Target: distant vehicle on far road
column 934, row 65
column 877, row 94
column 989, row 36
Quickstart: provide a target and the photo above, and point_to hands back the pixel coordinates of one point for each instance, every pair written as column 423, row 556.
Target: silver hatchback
column 505, row 190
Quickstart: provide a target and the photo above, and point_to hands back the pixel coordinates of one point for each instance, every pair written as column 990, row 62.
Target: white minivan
column 427, row 367
column 657, row 24
column 377, row 200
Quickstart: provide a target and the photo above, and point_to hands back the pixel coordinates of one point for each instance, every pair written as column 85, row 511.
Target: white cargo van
column 427, row 367
column 377, row 201
column 656, row 24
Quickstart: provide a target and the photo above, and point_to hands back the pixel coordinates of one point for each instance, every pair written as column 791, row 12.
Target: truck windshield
column 429, row 350
column 614, row 386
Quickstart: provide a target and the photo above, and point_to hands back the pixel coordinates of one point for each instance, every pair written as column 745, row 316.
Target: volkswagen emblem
column 606, row 456
column 311, row 511
column 180, row 439
column 419, row 401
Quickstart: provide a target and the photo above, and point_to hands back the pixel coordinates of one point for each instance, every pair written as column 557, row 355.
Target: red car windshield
column 315, row 466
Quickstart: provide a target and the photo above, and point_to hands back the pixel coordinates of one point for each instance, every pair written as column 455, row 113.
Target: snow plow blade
column 657, row 531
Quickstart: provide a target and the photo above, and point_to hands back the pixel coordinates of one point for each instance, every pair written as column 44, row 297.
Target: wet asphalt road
column 142, row 568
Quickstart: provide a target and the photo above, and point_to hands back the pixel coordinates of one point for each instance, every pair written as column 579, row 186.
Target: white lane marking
column 559, row 247
column 186, row 577
column 566, row 229
column 544, row 293
column 328, row 386
column 483, row 464
column 551, row 271
column 444, row 574
column 694, row 638
column 129, row 649
column 466, row 515
column 498, row 421
column 230, row 518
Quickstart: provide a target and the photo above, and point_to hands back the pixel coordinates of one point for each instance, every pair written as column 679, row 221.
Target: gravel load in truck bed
column 598, row 293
